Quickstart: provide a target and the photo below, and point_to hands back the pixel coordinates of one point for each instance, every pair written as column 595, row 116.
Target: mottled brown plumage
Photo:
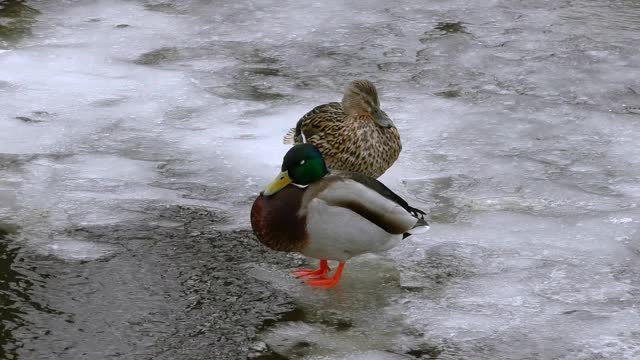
column 354, row 135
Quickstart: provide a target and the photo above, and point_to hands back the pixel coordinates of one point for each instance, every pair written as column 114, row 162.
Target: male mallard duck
column 328, row 216
column 354, row 135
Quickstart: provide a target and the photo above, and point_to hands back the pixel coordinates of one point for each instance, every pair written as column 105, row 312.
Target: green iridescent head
column 302, row 165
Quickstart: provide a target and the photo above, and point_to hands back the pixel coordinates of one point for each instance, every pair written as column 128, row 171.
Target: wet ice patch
column 79, row 250
column 620, row 220
column 519, row 137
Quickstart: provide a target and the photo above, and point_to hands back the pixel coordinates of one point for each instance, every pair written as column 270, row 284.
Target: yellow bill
column 276, row 185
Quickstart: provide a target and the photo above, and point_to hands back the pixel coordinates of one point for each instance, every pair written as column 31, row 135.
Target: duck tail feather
column 417, row 213
column 289, row 137
column 421, row 225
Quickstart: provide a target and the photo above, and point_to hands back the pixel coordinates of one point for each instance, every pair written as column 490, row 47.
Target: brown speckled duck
column 354, row 135
column 328, row 216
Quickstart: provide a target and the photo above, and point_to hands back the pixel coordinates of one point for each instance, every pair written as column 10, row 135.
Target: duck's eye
column 302, row 162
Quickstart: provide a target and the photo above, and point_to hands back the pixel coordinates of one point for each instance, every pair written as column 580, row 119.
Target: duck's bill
column 276, row 185
column 382, row 119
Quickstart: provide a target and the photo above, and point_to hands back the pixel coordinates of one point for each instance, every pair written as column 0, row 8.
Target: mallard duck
column 354, row 135
column 328, row 216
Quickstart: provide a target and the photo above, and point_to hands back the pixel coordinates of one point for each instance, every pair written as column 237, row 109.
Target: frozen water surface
column 520, row 129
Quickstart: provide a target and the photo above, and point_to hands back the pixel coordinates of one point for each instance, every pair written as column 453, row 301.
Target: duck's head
column 302, row 165
column 361, row 98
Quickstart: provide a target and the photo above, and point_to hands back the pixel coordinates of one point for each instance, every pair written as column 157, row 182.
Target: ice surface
column 519, row 136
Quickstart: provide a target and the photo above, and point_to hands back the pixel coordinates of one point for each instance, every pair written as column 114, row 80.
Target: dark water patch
column 158, row 56
column 179, row 291
column 35, row 117
column 265, row 71
column 334, row 319
column 316, row 83
column 339, row 59
column 16, row 20
column 443, row 29
column 180, row 113
column 626, row 272
column 11, row 316
column 254, row 83
column 27, row 119
column 297, row 313
column 451, row 27
column 8, row 229
column 246, row 92
column 259, row 59
column 443, row 265
column 449, row 93
column 165, row 8
column 259, row 79
column 269, row 355
column 431, row 352
column 423, row 55
column 109, row 102
column 394, row 52
column 17, row 161
column 19, row 280
column 632, row 109
column 252, row 55
column 249, row 53
column 397, row 67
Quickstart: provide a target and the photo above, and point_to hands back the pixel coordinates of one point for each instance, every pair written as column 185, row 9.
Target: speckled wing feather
column 314, row 122
column 349, row 143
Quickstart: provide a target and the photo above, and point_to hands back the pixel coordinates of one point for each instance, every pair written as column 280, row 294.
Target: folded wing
column 385, row 209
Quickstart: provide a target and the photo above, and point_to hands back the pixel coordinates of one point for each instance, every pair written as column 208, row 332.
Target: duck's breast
column 276, row 221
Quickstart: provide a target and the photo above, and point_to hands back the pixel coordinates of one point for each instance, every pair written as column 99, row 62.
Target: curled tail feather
column 421, row 226
column 417, row 213
column 290, row 137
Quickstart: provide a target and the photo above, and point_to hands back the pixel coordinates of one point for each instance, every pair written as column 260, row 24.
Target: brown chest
column 275, row 220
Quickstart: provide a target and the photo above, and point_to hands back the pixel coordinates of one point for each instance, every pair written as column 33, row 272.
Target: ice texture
column 520, row 131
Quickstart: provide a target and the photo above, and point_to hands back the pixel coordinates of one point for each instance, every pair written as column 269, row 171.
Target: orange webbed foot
column 310, row 274
column 327, row 283
column 320, row 273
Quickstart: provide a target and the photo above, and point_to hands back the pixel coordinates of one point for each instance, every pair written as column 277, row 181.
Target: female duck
column 354, row 135
column 328, row 216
